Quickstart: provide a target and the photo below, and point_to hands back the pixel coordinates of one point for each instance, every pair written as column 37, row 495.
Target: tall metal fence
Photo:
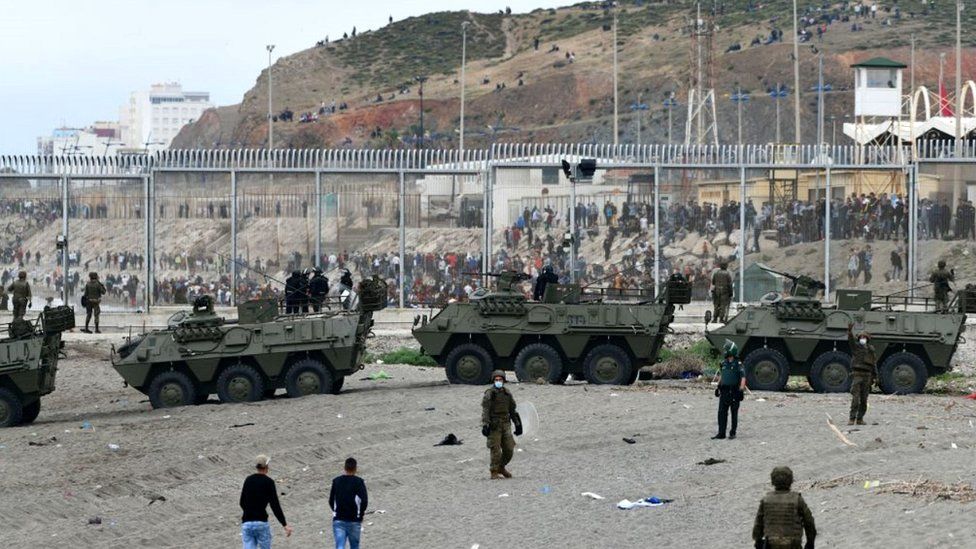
column 163, row 228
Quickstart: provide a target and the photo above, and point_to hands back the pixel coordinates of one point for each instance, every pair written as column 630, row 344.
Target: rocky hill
column 560, row 88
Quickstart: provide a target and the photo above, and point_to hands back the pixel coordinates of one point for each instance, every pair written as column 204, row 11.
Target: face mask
column 864, row 341
column 499, row 384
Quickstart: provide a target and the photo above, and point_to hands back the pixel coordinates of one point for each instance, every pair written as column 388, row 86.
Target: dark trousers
column 728, row 399
column 860, row 389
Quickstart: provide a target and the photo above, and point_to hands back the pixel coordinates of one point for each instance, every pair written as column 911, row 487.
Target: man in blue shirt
column 348, row 500
column 731, row 386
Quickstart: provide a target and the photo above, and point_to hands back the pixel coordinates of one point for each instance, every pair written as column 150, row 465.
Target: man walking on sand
column 864, row 364
column 258, row 492
column 497, row 415
column 348, row 501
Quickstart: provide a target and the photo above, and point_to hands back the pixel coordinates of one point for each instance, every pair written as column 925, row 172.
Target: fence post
column 65, row 184
column 657, row 228
column 318, row 219
column 827, row 234
column 233, row 236
column 403, row 240
column 147, row 207
column 742, row 229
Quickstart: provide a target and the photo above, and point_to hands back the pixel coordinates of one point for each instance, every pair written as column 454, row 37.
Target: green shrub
column 409, row 356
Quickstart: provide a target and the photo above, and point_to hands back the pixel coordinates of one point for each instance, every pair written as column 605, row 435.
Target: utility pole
column 670, row 103
column 270, row 48
column 959, row 8
column 464, row 58
column 421, row 80
column 615, row 129
column 796, row 77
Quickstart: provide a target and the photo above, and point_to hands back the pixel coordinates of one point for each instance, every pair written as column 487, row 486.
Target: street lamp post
column 421, row 80
column 796, row 78
column 615, row 131
column 638, row 107
column 778, row 93
column 670, row 102
column 464, row 58
column 739, row 98
column 959, row 8
column 270, row 48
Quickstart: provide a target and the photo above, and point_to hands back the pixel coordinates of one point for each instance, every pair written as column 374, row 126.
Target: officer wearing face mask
column 497, row 415
column 864, row 363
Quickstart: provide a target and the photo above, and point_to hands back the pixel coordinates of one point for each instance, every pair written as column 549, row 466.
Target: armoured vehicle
column 248, row 359
column 29, row 363
column 798, row 335
column 596, row 335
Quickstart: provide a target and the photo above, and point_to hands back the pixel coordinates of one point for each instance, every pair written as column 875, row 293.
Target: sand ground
column 56, row 476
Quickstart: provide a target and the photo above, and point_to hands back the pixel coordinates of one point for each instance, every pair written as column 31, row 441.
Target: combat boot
column 850, row 422
column 861, row 422
column 505, row 473
column 495, row 475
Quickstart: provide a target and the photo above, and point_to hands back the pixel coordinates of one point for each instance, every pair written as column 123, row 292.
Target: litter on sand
column 379, row 375
column 711, row 461
column 630, row 440
column 113, row 447
column 868, row 484
column 503, row 495
column 591, row 495
column 450, row 440
column 652, row 501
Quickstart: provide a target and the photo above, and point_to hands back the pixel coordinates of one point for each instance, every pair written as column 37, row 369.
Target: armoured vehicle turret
column 798, row 335
column 29, row 353
column 602, row 335
column 200, row 353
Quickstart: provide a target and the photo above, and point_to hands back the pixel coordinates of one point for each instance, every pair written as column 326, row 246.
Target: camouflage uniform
column 721, row 294
column 497, row 411
column 94, row 290
column 782, row 518
column 21, row 291
column 940, row 279
column 864, row 361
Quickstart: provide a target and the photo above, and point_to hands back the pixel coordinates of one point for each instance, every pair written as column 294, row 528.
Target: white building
column 101, row 139
column 153, row 117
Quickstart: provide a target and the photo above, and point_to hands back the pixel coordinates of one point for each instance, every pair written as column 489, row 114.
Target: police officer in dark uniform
column 304, row 295
column 294, row 286
column 730, row 391
column 864, row 369
column 544, row 278
column 940, row 280
column 318, row 288
column 783, row 516
column 346, row 284
column 497, row 415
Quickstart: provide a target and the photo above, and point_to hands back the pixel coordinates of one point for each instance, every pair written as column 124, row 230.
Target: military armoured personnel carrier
column 798, row 335
column 29, row 363
column 200, row 353
column 593, row 334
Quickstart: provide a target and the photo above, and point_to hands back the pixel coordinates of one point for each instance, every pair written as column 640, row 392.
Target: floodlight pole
column 615, row 128
column 796, row 77
column 464, row 58
column 959, row 8
column 270, row 48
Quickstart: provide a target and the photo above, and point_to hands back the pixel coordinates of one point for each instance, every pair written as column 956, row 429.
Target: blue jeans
column 343, row 530
column 256, row 535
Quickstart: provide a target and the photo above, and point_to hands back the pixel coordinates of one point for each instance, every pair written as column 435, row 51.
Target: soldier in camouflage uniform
column 783, row 516
column 94, row 290
column 721, row 293
column 21, row 291
column 497, row 415
column 940, row 279
column 864, row 366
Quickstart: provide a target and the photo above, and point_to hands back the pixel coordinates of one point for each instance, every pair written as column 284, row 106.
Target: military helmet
column 498, row 373
column 547, row 269
column 296, row 272
column 942, row 264
column 22, row 275
column 723, row 265
column 317, row 270
column 730, row 349
column 782, row 477
column 93, row 275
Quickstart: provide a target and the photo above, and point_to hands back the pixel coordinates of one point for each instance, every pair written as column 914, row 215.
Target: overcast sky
column 73, row 62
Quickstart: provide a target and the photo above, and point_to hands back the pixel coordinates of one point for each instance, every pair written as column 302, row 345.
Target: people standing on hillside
column 92, row 297
column 257, row 494
column 348, row 500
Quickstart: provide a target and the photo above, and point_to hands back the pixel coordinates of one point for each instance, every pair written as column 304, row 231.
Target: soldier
column 318, row 288
column 21, row 291
column 304, row 295
column 497, row 415
column 94, row 290
column 345, row 285
column 721, row 293
column 730, row 391
column 293, row 289
column 863, row 371
column 940, row 279
column 783, row 516
column 542, row 280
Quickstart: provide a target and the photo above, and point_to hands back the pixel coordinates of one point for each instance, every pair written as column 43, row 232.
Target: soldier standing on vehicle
column 345, row 285
column 864, row 364
column 318, row 288
column 94, row 290
column 294, row 287
column 730, row 391
column 721, row 293
column 21, row 291
column 544, row 278
column 497, row 415
column 940, row 280
column 783, row 516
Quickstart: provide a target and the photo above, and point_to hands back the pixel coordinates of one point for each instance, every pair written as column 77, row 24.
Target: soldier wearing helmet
column 940, row 280
column 721, row 292
column 544, row 278
column 497, row 415
column 21, row 291
column 864, row 365
column 783, row 516
column 318, row 288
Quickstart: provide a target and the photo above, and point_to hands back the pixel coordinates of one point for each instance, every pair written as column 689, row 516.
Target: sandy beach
column 171, row 478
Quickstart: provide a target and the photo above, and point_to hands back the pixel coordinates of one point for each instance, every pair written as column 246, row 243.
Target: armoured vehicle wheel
column 766, row 370
column 337, row 385
column 308, row 377
column 469, row 364
column 30, row 412
column 903, row 373
column 11, row 410
column 831, row 373
column 607, row 364
column 538, row 360
column 171, row 389
column 240, row 383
